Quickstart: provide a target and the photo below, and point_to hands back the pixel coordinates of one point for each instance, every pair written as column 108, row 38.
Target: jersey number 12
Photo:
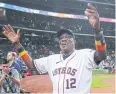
column 70, row 83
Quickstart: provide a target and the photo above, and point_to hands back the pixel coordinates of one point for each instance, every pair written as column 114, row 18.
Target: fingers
column 89, row 14
column 91, row 11
column 6, row 28
column 10, row 27
column 18, row 32
column 4, row 33
column 90, row 6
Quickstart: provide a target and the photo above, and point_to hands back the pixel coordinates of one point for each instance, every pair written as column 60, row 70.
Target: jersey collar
column 69, row 57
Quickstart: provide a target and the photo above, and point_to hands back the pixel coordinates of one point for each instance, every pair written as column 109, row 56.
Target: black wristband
column 99, row 35
column 21, row 49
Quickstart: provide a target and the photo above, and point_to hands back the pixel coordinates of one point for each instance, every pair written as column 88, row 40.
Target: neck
column 68, row 53
column 10, row 63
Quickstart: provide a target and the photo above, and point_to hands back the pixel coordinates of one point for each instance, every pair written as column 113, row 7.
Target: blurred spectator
column 9, row 79
column 14, row 61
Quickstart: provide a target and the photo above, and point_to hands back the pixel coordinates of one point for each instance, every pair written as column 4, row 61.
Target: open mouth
column 64, row 45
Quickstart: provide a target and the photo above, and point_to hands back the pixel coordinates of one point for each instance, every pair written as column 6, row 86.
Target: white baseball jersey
column 72, row 75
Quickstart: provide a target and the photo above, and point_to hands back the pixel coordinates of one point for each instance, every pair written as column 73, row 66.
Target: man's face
column 66, row 42
column 5, row 68
column 9, row 56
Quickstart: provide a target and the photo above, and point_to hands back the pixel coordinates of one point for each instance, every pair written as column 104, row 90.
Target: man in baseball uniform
column 71, row 70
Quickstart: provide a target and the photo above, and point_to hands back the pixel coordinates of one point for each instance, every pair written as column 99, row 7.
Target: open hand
column 93, row 16
column 10, row 34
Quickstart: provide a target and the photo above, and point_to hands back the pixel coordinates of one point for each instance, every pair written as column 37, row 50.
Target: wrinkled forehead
column 65, row 35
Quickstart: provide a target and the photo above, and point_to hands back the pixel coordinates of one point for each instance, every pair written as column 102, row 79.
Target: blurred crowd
column 52, row 23
column 48, row 45
column 37, row 51
column 109, row 63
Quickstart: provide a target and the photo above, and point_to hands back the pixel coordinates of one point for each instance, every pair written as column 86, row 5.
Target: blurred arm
column 14, row 37
column 100, row 44
column 24, row 55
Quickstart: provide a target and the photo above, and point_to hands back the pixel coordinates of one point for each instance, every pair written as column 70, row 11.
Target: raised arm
column 14, row 37
column 100, row 44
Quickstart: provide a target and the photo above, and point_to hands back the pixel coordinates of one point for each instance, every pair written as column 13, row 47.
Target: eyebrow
column 66, row 36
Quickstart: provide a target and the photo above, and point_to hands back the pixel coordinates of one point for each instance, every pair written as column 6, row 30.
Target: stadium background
column 38, row 28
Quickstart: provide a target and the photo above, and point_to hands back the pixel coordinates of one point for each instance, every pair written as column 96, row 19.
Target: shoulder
column 55, row 55
column 85, row 50
column 16, row 65
column 17, row 60
column 48, row 58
